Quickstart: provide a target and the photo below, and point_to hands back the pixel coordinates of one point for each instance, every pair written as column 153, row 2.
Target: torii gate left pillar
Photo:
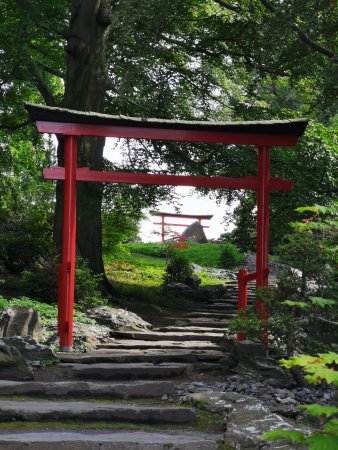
column 67, row 267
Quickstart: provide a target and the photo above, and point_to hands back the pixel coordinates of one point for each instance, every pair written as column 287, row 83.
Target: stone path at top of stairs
column 106, row 386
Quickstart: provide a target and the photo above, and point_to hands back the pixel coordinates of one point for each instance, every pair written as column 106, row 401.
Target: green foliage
column 19, row 252
column 291, row 323
column 320, row 410
column 322, row 302
column 26, row 201
column 294, row 436
column 48, row 313
column 230, row 256
column 178, row 269
column 321, row 368
column 41, row 282
column 316, row 368
column 248, row 324
column 324, row 441
column 87, row 286
column 311, row 255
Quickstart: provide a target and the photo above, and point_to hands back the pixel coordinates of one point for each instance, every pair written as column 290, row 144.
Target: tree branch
column 41, row 85
column 50, row 70
column 304, row 37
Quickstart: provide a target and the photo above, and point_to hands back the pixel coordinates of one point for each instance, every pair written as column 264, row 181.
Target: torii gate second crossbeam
column 72, row 124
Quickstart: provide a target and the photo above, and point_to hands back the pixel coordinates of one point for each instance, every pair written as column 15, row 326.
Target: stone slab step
column 205, row 322
column 31, row 411
column 192, row 329
column 217, row 307
column 136, row 389
column 229, row 301
column 117, row 440
column 109, row 371
column 167, row 336
column 204, row 314
column 138, row 344
column 154, row 356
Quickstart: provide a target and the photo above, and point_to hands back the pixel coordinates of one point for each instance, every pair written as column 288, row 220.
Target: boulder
column 12, row 364
column 210, row 292
column 193, row 281
column 85, row 336
column 246, row 419
column 30, row 349
column 118, row 319
column 20, row 321
column 179, row 289
column 251, row 358
column 195, row 233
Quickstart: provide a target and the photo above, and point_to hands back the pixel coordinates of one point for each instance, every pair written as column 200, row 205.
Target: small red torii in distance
column 72, row 124
column 163, row 215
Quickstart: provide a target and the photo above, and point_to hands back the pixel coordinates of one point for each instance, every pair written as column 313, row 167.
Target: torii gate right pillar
column 262, row 242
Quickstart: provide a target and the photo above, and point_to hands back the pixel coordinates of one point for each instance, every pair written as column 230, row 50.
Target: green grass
column 205, row 255
column 48, row 313
column 137, row 271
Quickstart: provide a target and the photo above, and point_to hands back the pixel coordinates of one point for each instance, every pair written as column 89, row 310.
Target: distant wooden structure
column 165, row 215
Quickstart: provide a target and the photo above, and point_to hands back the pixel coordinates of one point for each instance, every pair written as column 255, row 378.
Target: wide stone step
column 127, row 390
column 192, row 329
column 29, row 411
column 167, row 336
column 203, row 322
column 217, row 307
column 126, row 371
column 137, row 344
column 204, row 314
column 229, row 301
column 116, row 440
column 154, row 356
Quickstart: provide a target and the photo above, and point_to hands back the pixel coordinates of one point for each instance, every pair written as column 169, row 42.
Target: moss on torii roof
column 272, row 127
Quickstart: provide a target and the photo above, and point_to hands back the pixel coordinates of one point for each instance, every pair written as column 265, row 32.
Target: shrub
column 310, row 254
column 230, row 256
column 41, row 282
column 19, row 252
column 178, row 269
column 87, row 286
column 248, row 325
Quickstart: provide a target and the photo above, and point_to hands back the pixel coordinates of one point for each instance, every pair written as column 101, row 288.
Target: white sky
column 192, row 203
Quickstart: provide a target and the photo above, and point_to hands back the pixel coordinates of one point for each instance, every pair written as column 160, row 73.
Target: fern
column 318, row 368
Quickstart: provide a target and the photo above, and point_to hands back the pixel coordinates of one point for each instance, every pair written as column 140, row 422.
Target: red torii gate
column 163, row 215
column 72, row 124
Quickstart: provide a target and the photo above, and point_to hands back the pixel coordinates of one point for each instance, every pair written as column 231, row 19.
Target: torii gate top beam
column 183, row 216
column 76, row 123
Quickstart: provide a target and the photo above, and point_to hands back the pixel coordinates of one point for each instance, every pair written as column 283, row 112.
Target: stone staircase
column 115, row 397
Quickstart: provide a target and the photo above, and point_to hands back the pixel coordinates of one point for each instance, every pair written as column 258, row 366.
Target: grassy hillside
column 205, row 255
column 137, row 270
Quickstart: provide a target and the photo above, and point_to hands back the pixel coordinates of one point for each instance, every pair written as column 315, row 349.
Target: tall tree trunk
column 85, row 89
